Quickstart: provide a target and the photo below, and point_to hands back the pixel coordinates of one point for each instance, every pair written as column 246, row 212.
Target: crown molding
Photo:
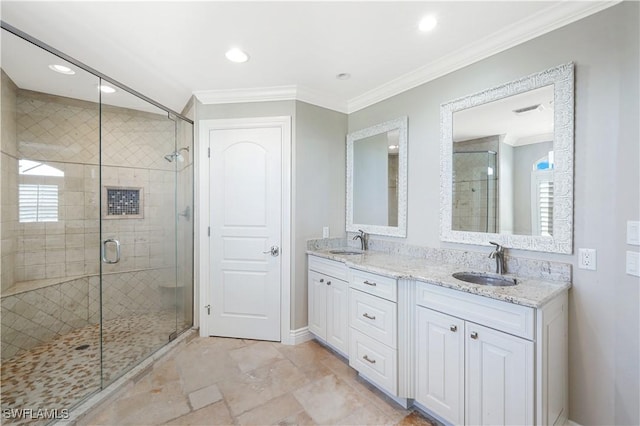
column 553, row 17
column 270, row 94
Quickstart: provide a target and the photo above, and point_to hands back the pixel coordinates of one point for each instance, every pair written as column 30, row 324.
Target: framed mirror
column 377, row 179
column 507, row 164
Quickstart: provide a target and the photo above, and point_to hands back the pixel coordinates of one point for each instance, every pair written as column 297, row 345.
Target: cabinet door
column 337, row 314
column 318, row 304
column 440, row 364
column 499, row 377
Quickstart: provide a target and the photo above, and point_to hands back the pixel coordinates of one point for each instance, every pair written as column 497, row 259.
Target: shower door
column 138, row 218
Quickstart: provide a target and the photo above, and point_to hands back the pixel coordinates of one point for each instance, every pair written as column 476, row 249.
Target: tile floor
column 219, row 381
column 56, row 375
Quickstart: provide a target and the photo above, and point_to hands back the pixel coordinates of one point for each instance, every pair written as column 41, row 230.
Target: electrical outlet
column 587, row 259
column 633, row 263
column 633, row 232
column 325, row 232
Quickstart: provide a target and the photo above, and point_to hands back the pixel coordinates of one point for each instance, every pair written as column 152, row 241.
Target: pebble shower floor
column 58, row 375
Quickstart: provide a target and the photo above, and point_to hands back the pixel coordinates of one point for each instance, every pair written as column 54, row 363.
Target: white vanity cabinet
column 373, row 312
column 481, row 361
column 329, row 302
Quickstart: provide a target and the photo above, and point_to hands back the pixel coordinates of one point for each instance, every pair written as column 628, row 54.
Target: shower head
column 176, row 155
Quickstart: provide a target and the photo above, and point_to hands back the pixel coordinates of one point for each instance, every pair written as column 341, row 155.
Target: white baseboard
column 298, row 336
column 572, row 423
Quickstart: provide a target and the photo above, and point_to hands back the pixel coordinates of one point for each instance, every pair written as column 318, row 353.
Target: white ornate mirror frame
column 399, row 124
column 562, row 78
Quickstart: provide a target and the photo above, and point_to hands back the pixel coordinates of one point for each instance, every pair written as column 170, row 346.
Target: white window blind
column 38, row 203
column 542, row 203
column 545, row 207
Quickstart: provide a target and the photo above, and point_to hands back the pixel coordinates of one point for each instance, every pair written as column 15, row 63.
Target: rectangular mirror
column 507, row 164
column 377, row 179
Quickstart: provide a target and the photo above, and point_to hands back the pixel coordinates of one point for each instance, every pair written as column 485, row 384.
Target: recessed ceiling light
column 236, row 55
column 343, row 76
column 61, row 69
column 106, row 89
column 428, row 23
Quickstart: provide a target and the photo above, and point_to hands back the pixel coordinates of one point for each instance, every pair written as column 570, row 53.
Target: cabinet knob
column 328, row 282
column 474, row 335
column 366, row 358
column 366, row 315
column 453, row 328
column 321, row 280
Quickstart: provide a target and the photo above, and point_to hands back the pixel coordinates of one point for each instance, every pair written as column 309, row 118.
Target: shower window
column 38, row 203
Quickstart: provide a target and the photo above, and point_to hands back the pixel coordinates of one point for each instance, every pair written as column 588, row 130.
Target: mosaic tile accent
column 56, row 375
column 124, row 202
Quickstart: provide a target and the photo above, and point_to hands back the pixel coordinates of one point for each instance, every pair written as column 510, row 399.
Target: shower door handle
column 104, row 250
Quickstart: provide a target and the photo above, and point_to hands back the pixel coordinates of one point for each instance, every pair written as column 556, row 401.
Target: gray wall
column 318, row 178
column 523, row 159
column 319, row 189
column 604, row 318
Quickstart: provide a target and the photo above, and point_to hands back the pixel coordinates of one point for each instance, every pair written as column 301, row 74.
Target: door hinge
column 209, row 152
column 208, row 231
column 208, row 308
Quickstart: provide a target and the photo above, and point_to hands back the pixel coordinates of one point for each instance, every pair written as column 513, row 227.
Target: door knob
column 274, row 251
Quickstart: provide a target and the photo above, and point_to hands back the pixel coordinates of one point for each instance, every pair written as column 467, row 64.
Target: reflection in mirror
column 376, row 179
column 507, row 164
column 502, row 165
column 375, row 175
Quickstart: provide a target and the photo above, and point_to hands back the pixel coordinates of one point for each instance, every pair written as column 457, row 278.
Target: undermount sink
column 346, row 251
column 484, row 278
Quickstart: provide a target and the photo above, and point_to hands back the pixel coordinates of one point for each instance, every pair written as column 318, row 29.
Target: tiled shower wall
column 8, row 179
column 41, row 261
column 474, row 191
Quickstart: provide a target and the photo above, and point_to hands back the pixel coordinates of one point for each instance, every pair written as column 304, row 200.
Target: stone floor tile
column 254, row 356
column 300, row 419
column 272, row 411
column 214, row 414
column 307, row 353
column 205, row 396
column 328, row 400
column 256, row 387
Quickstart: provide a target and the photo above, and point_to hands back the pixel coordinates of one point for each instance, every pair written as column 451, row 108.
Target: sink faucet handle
column 499, row 248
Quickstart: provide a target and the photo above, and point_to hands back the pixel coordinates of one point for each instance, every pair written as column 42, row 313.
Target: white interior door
column 245, row 220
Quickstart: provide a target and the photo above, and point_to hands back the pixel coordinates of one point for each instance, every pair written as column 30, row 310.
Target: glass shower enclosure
column 96, row 228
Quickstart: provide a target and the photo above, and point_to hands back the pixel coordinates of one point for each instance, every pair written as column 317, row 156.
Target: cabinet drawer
column 377, row 285
column 373, row 316
column 504, row 316
column 329, row 267
column 374, row 360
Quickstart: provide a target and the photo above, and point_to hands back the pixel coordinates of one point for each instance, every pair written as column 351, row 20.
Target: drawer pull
column 370, row 283
column 366, row 358
column 366, row 315
column 474, row 335
column 453, row 328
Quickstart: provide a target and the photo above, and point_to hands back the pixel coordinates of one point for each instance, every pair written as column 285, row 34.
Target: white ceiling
column 498, row 118
column 170, row 50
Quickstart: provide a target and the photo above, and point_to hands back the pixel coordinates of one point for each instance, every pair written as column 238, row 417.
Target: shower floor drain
column 82, row 347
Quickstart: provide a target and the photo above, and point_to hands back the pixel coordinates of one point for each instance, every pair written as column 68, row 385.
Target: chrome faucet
column 498, row 255
column 364, row 239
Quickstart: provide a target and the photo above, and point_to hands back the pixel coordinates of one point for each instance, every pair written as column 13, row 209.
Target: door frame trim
column 203, row 214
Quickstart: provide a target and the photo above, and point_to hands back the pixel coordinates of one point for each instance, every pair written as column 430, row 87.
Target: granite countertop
column 528, row 292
